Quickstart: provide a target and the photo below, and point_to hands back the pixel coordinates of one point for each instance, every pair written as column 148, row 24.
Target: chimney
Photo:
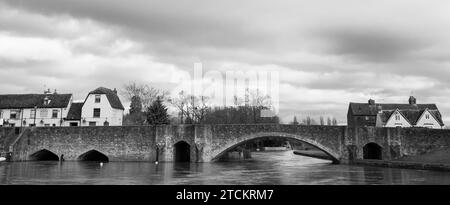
column 47, row 91
column 371, row 102
column 115, row 91
column 412, row 100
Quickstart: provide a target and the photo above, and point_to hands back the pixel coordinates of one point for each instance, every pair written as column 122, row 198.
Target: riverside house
column 102, row 107
column 394, row 115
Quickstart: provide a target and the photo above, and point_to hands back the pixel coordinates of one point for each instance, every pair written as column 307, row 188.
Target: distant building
column 394, row 115
column 102, row 107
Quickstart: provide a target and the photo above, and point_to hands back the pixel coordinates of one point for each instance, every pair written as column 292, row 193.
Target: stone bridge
column 205, row 143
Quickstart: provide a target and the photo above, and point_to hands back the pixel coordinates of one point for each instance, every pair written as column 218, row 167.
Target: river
column 265, row 168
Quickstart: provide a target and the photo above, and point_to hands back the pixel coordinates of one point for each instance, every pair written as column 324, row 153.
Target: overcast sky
column 328, row 53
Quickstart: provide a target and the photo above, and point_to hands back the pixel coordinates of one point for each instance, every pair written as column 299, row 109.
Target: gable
column 428, row 119
column 111, row 95
column 397, row 119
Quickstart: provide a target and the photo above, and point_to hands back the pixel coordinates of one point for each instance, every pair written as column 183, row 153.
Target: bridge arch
column 93, row 155
column 182, row 151
column 241, row 140
column 44, row 155
column 372, row 150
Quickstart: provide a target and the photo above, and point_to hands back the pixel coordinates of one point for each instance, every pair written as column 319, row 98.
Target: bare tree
column 329, row 121
column 192, row 109
column 258, row 99
column 146, row 93
column 295, row 122
column 308, row 120
column 180, row 103
column 335, row 121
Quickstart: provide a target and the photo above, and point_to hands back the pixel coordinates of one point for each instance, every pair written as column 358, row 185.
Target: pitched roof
column 75, row 111
column 412, row 115
column 385, row 115
column 112, row 96
column 437, row 115
column 411, row 111
column 366, row 109
column 21, row 101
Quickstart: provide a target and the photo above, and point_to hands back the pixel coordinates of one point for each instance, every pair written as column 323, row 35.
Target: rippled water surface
column 265, row 168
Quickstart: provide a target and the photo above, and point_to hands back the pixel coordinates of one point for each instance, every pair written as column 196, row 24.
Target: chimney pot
column 412, row 100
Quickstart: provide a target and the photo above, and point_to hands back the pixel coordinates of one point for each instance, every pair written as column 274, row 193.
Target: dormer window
column 98, row 98
column 47, row 101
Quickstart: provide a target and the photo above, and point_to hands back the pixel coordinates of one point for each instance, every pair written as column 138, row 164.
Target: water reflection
column 268, row 168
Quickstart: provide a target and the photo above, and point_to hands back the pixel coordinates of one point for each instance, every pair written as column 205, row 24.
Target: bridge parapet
column 208, row 142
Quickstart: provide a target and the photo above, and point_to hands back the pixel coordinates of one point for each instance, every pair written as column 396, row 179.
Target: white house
column 102, row 107
column 395, row 115
column 21, row 110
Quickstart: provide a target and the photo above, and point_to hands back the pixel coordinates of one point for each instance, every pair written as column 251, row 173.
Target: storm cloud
column 328, row 53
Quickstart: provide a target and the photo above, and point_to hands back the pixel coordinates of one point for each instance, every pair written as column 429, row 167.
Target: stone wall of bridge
column 414, row 142
column 117, row 143
column 218, row 139
column 397, row 143
column 209, row 142
column 7, row 136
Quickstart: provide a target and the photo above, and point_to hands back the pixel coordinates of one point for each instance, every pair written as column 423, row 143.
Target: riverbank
column 435, row 161
column 313, row 153
column 404, row 165
column 438, row 160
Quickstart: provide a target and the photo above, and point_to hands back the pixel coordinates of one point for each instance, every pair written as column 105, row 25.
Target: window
column 1, row 114
column 427, row 116
column 32, row 114
column 397, row 117
column 55, row 113
column 14, row 114
column 43, row 113
column 98, row 98
column 96, row 112
column 47, row 125
column 47, row 101
column 92, row 123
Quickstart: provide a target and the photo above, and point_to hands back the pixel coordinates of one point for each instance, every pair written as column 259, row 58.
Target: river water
column 265, row 168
